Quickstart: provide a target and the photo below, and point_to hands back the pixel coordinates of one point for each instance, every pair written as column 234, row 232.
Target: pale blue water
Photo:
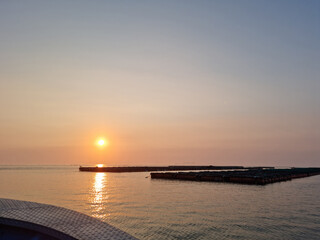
column 162, row 209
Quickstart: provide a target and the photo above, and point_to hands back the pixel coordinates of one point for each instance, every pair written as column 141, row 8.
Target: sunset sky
column 165, row 82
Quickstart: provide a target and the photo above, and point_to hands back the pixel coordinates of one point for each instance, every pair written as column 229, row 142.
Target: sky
column 165, row 82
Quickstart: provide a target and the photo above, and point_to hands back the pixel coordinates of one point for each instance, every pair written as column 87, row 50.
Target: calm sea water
column 162, row 209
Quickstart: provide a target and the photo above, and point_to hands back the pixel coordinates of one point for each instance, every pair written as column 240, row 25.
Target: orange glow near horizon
column 99, row 165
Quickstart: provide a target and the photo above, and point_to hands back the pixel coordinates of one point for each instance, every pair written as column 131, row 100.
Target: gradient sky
column 167, row 82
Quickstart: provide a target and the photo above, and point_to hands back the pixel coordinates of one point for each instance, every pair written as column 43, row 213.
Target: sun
column 102, row 142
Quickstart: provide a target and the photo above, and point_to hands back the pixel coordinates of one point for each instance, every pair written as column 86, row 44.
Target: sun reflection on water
column 99, row 195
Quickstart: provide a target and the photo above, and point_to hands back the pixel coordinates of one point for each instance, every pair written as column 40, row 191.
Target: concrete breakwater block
column 251, row 176
column 155, row 168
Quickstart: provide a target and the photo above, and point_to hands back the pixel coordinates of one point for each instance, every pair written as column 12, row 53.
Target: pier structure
column 250, row 176
column 31, row 220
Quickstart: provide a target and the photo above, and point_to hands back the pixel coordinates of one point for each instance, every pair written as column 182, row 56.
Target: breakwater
column 256, row 176
column 158, row 168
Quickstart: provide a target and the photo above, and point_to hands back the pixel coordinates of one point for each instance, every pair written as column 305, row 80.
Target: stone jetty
column 257, row 176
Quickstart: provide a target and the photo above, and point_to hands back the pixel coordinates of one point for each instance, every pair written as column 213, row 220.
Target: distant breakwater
column 161, row 168
column 260, row 176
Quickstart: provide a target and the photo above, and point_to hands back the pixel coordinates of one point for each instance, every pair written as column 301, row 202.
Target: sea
column 166, row 209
